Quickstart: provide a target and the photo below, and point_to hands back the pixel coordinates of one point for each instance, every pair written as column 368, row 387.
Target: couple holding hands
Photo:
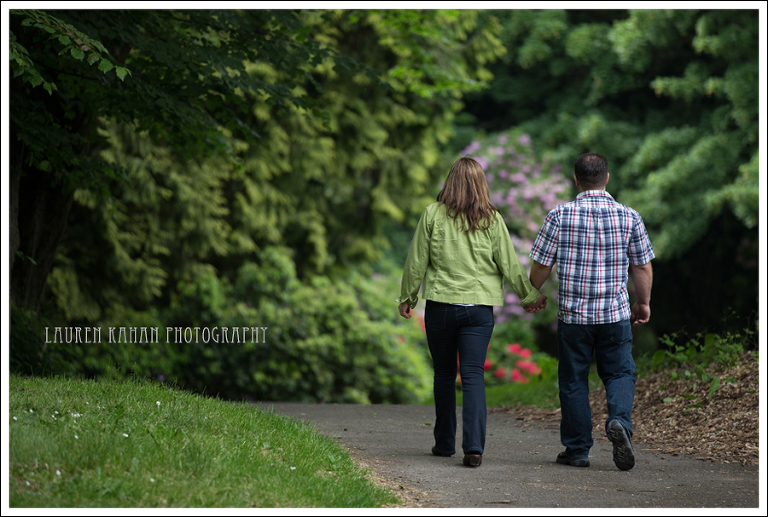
column 462, row 253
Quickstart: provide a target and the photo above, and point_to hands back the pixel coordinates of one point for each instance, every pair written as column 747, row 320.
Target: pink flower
column 525, row 352
column 488, row 365
column 516, row 376
column 500, row 372
column 529, row 366
column 514, row 348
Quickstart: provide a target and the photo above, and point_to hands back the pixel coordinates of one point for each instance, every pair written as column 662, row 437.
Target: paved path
column 518, row 467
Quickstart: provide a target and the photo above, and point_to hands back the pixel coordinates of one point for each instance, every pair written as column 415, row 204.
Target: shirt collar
column 593, row 195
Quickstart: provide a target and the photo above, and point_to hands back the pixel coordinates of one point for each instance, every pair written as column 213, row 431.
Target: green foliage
column 322, row 341
column 268, row 232
column 702, row 348
column 265, row 336
column 105, row 444
column 690, row 357
column 73, row 43
column 670, row 97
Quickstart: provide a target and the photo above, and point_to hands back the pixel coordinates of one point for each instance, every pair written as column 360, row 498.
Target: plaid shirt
column 593, row 240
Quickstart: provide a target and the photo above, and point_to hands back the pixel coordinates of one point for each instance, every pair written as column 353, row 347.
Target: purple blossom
column 471, row 148
column 524, row 139
column 503, row 173
column 503, row 139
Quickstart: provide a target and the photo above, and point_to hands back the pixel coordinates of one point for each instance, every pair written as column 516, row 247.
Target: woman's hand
column 405, row 310
column 538, row 305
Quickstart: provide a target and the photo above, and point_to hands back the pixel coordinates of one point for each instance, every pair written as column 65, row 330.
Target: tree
column 271, row 228
column 670, row 97
column 180, row 75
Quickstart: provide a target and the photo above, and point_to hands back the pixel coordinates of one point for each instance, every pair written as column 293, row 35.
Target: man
column 594, row 240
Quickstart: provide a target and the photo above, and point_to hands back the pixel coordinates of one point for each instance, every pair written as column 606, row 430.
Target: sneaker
column 623, row 454
column 563, row 459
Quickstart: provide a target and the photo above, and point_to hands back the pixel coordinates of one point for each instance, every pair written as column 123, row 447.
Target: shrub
column 524, row 187
column 323, row 341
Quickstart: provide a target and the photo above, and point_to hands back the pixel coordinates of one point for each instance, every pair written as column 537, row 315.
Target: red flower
column 488, row 365
column 420, row 321
column 514, row 348
column 529, row 366
column 500, row 372
column 525, row 352
column 516, row 376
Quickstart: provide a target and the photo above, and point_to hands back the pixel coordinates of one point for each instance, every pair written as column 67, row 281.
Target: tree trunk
column 38, row 218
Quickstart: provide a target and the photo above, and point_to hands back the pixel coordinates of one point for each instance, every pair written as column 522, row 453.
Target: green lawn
column 75, row 443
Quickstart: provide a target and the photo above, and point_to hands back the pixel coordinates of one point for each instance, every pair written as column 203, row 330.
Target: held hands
column 405, row 310
column 538, row 305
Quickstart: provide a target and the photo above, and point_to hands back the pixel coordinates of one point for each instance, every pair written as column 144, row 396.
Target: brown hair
column 466, row 196
column 591, row 170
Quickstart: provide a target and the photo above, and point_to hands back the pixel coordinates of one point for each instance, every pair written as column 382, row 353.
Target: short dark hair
column 591, row 170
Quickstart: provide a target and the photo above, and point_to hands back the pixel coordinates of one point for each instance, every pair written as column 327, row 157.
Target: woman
column 462, row 252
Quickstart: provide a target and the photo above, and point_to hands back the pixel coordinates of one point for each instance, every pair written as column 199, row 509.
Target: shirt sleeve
column 640, row 250
column 544, row 249
column 506, row 259
column 416, row 262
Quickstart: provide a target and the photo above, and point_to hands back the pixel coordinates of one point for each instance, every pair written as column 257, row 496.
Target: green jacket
column 462, row 267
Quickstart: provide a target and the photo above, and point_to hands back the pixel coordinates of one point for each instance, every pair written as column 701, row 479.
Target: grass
column 78, row 443
column 541, row 392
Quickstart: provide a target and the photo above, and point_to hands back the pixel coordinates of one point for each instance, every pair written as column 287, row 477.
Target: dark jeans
column 466, row 330
column 612, row 346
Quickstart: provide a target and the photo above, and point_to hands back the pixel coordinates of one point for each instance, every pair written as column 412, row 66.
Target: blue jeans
column 612, row 346
column 453, row 329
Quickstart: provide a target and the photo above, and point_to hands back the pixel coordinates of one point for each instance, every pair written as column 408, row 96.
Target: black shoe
column 563, row 459
column 623, row 454
column 438, row 453
column 473, row 460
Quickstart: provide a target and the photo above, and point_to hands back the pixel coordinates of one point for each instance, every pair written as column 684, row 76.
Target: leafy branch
column 74, row 43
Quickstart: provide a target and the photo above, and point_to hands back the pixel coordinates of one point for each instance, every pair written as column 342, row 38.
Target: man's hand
column 538, row 305
column 405, row 310
column 641, row 313
column 641, row 309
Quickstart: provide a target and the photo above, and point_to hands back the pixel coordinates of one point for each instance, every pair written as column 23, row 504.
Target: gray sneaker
column 623, row 454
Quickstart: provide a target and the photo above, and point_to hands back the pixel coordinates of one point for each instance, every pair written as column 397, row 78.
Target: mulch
column 678, row 416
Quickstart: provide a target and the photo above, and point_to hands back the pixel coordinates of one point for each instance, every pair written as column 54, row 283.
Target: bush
column 524, row 187
column 323, row 341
